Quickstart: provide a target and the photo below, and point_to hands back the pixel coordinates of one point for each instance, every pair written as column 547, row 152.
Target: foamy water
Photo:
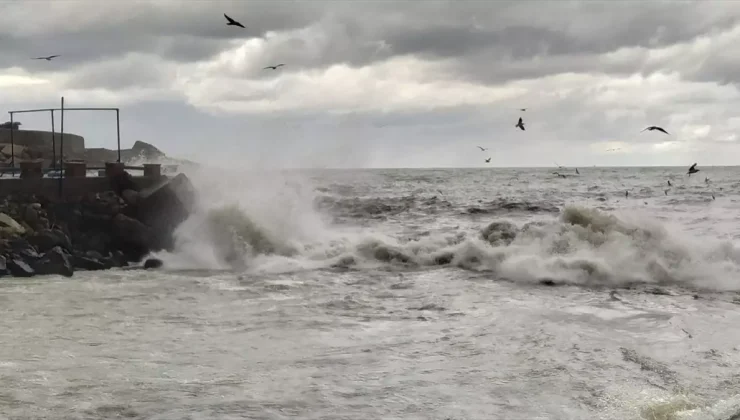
column 409, row 294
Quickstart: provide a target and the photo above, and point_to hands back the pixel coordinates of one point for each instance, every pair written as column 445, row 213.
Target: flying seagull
column 523, row 109
column 577, row 173
column 482, row 149
column 653, row 127
column 232, row 22
column 488, row 160
column 669, row 183
column 48, row 58
column 692, row 170
column 273, row 67
column 666, row 191
column 520, row 124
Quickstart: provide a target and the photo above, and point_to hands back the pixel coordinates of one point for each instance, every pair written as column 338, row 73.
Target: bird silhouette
column 692, row 170
column 523, row 109
column 232, row 22
column 482, row 149
column 669, row 183
column 520, row 124
column 666, row 192
column 577, row 173
column 654, row 127
column 488, row 160
column 273, row 67
column 47, row 58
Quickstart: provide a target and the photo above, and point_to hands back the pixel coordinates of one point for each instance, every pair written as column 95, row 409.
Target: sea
column 443, row 294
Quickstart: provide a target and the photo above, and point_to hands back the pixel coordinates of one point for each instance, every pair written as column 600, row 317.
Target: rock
column 91, row 263
column 131, row 196
column 146, row 150
column 117, row 259
column 3, row 266
column 9, row 223
column 500, row 233
column 153, row 263
column 55, row 261
column 47, row 239
column 18, row 268
column 31, row 216
column 164, row 206
column 134, row 238
column 121, row 182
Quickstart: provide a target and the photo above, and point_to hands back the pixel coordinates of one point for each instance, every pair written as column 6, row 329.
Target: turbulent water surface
column 403, row 294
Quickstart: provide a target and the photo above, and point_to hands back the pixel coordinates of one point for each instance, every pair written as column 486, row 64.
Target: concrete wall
column 34, row 138
column 49, row 187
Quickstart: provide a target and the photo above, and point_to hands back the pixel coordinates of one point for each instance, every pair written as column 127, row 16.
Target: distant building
column 8, row 125
column 41, row 140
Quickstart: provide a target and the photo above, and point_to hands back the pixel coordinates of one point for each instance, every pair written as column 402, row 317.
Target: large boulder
column 55, row 261
column 9, row 226
column 91, row 261
column 47, row 239
column 133, row 237
column 3, row 266
column 164, row 206
column 19, row 268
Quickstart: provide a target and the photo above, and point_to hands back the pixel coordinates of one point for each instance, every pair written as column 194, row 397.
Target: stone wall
column 43, row 140
column 49, row 187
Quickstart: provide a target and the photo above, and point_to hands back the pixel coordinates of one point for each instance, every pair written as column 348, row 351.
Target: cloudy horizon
column 385, row 83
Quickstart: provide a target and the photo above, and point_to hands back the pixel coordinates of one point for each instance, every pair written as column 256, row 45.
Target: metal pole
column 12, row 147
column 53, row 144
column 61, row 151
column 118, row 132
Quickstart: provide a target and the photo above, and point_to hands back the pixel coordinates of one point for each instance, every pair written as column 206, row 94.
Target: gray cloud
column 591, row 73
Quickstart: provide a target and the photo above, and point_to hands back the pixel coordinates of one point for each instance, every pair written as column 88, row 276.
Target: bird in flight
column 692, row 170
column 482, row 149
column 577, row 173
column 523, row 109
column 232, row 22
column 488, row 160
column 47, row 58
column 520, row 124
column 666, row 192
column 654, row 127
column 669, row 183
column 273, row 67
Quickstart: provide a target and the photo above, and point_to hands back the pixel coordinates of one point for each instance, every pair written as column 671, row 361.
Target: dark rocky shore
column 97, row 231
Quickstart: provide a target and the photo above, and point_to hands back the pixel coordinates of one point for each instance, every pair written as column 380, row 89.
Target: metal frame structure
column 61, row 134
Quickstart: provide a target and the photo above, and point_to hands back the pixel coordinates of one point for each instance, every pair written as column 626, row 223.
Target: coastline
column 43, row 235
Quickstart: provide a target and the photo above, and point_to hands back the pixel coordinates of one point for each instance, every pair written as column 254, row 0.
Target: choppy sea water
column 403, row 294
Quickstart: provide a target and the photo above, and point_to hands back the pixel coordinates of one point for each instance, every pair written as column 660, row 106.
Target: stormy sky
column 386, row 83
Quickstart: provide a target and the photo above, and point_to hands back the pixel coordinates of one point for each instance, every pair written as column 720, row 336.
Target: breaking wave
column 281, row 226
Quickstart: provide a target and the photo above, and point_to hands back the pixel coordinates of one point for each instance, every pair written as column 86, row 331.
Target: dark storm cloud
column 166, row 28
column 508, row 31
column 484, row 42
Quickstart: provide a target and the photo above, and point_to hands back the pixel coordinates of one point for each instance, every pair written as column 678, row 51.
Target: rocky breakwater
column 97, row 231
